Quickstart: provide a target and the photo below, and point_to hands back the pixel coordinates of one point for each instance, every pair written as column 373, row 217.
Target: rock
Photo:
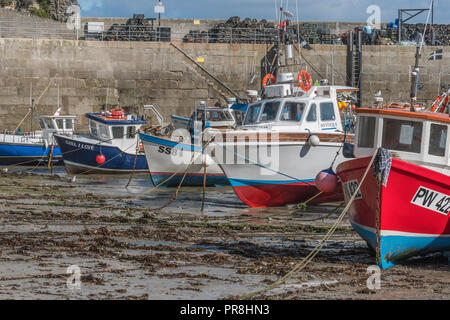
column 55, row 9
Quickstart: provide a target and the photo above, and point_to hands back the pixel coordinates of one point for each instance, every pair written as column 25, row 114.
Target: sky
column 312, row 10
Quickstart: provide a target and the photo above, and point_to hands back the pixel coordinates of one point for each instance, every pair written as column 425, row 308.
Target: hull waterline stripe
column 392, row 233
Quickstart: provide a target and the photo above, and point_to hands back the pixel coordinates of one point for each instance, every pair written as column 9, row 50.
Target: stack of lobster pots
column 136, row 29
column 440, row 33
column 235, row 30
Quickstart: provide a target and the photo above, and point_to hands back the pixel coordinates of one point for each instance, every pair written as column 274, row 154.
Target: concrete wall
column 92, row 74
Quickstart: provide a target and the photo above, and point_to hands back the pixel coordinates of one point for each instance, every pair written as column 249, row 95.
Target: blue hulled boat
column 110, row 146
column 38, row 146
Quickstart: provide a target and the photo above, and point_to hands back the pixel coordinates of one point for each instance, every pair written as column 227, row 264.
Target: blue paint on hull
column 27, row 154
column 83, row 160
column 396, row 248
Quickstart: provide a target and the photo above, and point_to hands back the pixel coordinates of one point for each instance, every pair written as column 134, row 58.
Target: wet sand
column 126, row 250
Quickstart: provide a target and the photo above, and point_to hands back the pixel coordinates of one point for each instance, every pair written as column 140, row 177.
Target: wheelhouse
column 411, row 136
column 217, row 117
column 104, row 127
column 60, row 124
column 318, row 114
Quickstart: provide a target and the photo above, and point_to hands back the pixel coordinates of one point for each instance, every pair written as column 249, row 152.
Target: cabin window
column 438, row 140
column 131, row 132
column 103, row 131
column 312, row 114
column 218, row 116
column 60, row 124
column 93, row 127
column 199, row 115
column 239, row 116
column 402, row 135
column 227, row 115
column 42, row 123
column 69, row 124
column 49, row 123
column 366, row 134
column 327, row 111
column 252, row 114
column 292, row 111
column 117, row 132
column 270, row 111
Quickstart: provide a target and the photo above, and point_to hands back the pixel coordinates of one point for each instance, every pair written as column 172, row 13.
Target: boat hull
column 289, row 178
column 170, row 171
column 407, row 217
column 80, row 158
column 28, row 154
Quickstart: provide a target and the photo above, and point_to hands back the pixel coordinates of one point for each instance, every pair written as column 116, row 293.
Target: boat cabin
column 56, row 124
column 315, row 110
column 114, row 125
column 418, row 137
column 60, row 124
column 216, row 117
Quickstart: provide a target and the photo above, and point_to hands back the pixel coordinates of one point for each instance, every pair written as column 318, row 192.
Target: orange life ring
column 304, row 80
column 117, row 113
column 266, row 79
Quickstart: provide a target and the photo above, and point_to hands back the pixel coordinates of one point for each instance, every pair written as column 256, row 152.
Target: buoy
column 326, row 181
column 100, row 159
column 314, row 140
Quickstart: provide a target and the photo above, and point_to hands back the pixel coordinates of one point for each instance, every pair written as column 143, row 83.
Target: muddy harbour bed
column 124, row 248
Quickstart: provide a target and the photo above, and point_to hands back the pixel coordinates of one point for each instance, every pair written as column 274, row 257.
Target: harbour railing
column 54, row 30
column 312, row 33
column 36, row 30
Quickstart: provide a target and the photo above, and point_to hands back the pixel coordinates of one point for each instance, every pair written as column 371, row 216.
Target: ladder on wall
column 354, row 62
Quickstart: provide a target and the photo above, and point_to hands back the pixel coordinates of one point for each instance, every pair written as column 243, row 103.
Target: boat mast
column 415, row 73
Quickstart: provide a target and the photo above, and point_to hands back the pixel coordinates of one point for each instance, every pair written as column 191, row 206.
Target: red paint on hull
column 276, row 195
column 397, row 212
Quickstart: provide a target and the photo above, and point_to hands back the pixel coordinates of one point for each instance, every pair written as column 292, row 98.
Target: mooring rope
column 174, row 197
column 138, row 146
column 301, row 265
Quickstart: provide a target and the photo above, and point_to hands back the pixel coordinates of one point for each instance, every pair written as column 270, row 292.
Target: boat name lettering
column 349, row 189
column 79, row 145
column 328, row 124
column 432, row 200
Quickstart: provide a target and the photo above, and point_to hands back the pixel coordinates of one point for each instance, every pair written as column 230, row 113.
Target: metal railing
column 36, row 30
column 218, row 35
column 311, row 32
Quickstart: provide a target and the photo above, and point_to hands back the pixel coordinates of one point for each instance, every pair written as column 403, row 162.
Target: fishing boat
column 111, row 147
column 181, row 157
column 406, row 211
column 401, row 207
column 37, row 146
column 286, row 139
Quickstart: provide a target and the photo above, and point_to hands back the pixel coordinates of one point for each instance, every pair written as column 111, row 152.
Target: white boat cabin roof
column 420, row 137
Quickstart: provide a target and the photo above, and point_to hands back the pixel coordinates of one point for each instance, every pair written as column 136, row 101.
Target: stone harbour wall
column 92, row 75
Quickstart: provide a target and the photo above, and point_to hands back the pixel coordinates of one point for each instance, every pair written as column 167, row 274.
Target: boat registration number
column 349, row 189
column 432, row 200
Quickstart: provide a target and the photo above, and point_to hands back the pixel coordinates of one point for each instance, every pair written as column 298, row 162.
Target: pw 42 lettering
column 432, row 200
